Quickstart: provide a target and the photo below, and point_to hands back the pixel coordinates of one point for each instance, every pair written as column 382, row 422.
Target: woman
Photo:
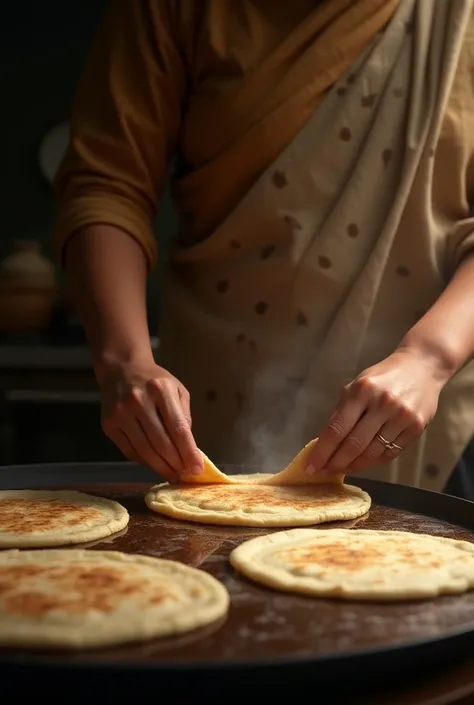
column 323, row 182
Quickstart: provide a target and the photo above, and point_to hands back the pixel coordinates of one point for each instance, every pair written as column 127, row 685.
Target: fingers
column 407, row 435
column 360, row 443
column 125, row 447
column 156, row 435
column 145, row 451
column 123, row 443
column 185, row 401
column 347, row 414
column 349, row 442
column 147, row 414
column 177, row 424
column 138, row 429
column 402, row 429
column 376, row 451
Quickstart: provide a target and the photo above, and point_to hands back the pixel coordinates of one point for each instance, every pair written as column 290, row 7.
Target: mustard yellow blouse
column 222, row 85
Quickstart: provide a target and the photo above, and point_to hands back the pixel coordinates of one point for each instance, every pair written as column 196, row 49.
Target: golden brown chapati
column 79, row 599
column 56, row 517
column 358, row 564
column 293, row 474
column 259, row 505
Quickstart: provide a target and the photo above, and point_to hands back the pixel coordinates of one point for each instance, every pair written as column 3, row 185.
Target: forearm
column 445, row 334
column 106, row 270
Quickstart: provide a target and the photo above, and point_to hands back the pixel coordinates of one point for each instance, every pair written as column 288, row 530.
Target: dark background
column 49, row 407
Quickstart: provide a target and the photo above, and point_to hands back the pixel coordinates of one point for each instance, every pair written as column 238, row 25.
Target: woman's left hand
column 395, row 400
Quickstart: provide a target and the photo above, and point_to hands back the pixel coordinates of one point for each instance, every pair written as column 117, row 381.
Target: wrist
column 116, row 357
column 440, row 356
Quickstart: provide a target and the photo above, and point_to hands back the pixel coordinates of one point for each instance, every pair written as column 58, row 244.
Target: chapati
column 56, row 517
column 293, row 474
column 358, row 564
column 79, row 599
column 257, row 504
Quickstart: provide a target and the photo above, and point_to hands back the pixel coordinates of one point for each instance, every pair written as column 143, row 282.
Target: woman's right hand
column 146, row 413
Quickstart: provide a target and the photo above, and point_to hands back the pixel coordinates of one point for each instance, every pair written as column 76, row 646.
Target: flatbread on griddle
column 56, row 517
column 81, row 599
column 293, row 474
column 256, row 504
column 358, row 564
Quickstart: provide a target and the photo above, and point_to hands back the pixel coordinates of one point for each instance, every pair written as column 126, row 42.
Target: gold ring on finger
column 389, row 445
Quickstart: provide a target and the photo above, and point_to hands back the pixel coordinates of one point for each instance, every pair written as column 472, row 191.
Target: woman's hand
column 392, row 401
column 146, row 413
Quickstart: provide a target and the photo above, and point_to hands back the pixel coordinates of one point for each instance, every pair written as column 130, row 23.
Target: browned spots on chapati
column 20, row 515
column 196, row 592
column 240, row 338
column 249, row 497
column 161, row 596
column 329, row 555
column 279, row 179
column 15, row 574
column 235, row 245
column 349, row 557
column 403, row 271
column 36, row 590
column 261, row 308
column 222, row 286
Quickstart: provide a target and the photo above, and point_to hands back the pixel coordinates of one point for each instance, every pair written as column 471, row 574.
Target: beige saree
column 332, row 255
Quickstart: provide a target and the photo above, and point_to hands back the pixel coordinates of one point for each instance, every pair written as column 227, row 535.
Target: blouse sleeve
column 124, row 125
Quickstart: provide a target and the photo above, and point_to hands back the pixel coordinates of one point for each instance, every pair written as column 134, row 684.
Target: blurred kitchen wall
column 43, row 44
column 42, row 47
column 49, row 406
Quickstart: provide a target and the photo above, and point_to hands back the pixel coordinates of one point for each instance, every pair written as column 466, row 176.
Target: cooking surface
column 266, row 625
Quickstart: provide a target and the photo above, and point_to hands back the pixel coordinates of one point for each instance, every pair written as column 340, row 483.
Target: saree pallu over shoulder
column 327, row 261
column 260, row 112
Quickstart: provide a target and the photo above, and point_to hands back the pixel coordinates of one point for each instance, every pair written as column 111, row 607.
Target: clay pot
column 27, row 288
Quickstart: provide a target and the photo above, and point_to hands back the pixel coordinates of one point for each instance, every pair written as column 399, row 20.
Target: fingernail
column 310, row 470
column 196, row 470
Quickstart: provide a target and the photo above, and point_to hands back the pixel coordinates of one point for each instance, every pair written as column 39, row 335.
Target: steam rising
column 279, row 419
